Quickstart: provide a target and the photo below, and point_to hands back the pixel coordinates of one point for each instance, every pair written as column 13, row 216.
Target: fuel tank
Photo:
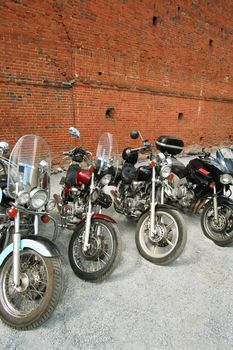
column 77, row 177
column 144, row 173
column 83, row 177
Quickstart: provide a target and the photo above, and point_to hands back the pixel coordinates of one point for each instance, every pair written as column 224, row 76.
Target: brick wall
column 164, row 66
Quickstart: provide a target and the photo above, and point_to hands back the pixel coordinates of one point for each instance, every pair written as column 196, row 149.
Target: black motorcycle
column 161, row 232
column 203, row 184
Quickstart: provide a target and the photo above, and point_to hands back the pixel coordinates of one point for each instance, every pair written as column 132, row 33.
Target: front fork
column 215, row 202
column 16, row 247
column 152, row 208
column 88, row 218
column 16, row 251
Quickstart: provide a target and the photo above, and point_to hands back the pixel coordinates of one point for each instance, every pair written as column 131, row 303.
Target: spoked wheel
column 168, row 239
column 101, row 257
column 29, row 305
column 221, row 231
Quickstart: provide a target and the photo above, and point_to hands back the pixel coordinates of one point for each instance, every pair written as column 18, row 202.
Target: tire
column 156, row 250
column 95, row 265
column 33, row 304
column 221, row 233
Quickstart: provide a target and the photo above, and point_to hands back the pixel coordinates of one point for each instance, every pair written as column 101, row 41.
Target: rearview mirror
column 134, row 134
column 74, row 132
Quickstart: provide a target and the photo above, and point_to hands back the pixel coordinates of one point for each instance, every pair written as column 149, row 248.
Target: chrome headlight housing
column 38, row 198
column 105, row 180
column 51, row 205
column 23, row 197
column 226, row 179
column 165, row 171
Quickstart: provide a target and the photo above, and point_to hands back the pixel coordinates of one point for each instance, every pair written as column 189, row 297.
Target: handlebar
column 143, row 148
column 77, row 153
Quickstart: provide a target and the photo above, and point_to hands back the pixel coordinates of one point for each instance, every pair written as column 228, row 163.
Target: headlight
column 226, row 179
column 50, row 205
column 165, row 171
column 105, row 180
column 23, row 197
column 38, row 198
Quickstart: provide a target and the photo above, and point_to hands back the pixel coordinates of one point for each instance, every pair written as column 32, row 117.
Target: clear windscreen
column 106, row 154
column 224, row 160
column 29, row 165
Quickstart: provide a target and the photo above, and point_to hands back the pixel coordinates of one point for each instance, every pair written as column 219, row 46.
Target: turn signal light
column 212, row 184
column 45, row 218
column 152, row 164
column 171, row 176
column 12, row 212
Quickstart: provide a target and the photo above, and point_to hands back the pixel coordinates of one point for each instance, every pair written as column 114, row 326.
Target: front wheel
column 32, row 302
column 168, row 237
column 221, row 231
column 103, row 252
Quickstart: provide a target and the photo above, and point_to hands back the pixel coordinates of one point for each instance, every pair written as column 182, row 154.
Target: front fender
column 41, row 245
column 101, row 216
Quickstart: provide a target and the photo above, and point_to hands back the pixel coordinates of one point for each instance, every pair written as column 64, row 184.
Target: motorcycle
column 30, row 267
column 4, row 200
column 204, row 183
column 94, row 247
column 160, row 233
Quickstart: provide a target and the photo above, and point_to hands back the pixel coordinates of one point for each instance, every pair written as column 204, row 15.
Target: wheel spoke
column 170, row 243
column 168, row 226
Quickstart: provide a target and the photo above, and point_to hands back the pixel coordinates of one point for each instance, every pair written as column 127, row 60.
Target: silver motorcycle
column 30, row 266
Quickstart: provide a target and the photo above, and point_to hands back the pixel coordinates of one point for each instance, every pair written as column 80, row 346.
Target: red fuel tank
column 83, row 177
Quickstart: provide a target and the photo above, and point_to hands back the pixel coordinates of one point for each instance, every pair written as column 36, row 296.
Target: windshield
column 29, row 165
column 224, row 160
column 106, row 154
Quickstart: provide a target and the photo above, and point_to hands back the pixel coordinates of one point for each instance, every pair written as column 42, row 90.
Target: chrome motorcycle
column 161, row 232
column 30, row 274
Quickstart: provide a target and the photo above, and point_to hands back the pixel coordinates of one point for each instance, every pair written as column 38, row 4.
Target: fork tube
column 215, row 204
column 89, row 215
column 152, row 208
column 162, row 193
column 16, row 252
column 224, row 191
column 36, row 224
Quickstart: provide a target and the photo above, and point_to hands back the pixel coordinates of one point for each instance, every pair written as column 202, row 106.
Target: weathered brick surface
column 164, row 66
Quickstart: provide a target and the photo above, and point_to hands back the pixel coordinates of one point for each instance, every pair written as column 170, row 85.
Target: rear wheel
column 29, row 305
column 221, row 231
column 168, row 239
column 103, row 253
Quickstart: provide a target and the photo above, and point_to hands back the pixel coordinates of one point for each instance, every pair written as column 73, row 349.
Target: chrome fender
column 41, row 245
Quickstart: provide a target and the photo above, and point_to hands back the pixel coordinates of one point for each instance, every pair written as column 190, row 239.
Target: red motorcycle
column 94, row 246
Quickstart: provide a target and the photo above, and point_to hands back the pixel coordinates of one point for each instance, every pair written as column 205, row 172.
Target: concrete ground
column 187, row 305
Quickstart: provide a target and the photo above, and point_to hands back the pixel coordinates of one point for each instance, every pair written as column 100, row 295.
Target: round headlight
column 226, row 179
column 94, row 196
column 105, row 180
column 50, row 205
column 23, row 197
column 165, row 171
column 38, row 198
